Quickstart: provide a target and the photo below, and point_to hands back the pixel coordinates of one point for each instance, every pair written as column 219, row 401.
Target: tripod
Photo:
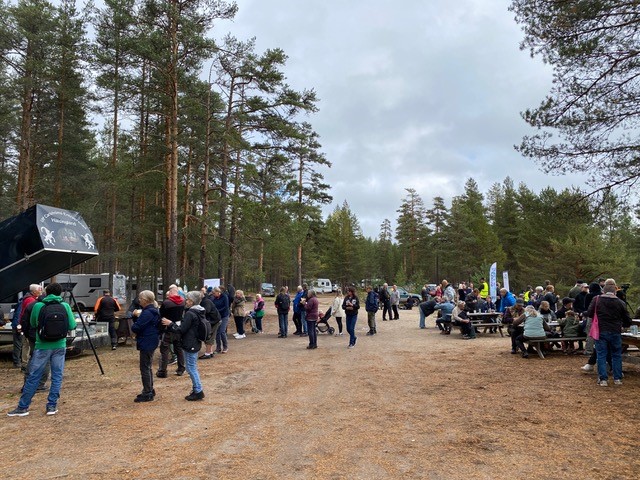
column 84, row 326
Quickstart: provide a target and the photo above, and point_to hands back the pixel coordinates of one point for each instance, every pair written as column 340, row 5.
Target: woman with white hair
column 534, row 328
column 188, row 329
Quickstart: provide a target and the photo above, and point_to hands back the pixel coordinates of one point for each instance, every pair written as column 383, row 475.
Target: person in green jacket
column 46, row 351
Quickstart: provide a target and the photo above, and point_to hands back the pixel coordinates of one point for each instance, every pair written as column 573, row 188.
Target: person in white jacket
column 337, row 312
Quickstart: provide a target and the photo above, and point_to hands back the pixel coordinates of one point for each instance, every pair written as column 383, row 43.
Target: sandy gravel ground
column 406, row 403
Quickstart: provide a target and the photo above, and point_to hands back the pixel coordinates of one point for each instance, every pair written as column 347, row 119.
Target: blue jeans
column 422, row 318
column 283, row 320
column 38, row 363
column 303, row 315
column 609, row 343
column 221, row 334
column 191, row 364
column 351, row 328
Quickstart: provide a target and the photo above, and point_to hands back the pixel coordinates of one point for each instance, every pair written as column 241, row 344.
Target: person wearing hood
column 171, row 309
column 188, row 330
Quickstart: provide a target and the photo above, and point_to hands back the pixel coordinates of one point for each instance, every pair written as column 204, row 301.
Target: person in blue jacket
column 507, row 299
column 147, row 337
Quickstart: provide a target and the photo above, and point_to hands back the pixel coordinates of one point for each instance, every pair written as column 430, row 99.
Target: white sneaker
column 617, row 382
column 603, row 383
column 236, row 335
column 241, row 336
column 587, row 368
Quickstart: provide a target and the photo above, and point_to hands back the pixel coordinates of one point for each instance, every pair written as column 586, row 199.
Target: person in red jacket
column 172, row 308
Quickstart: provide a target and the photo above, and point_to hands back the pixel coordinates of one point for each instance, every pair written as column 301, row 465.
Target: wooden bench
column 489, row 325
column 536, row 342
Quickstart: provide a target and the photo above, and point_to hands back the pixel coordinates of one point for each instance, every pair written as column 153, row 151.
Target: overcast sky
column 413, row 93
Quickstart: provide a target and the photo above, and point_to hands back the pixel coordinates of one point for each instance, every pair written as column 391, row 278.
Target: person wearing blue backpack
column 53, row 319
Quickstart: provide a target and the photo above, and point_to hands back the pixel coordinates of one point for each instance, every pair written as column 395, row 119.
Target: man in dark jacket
column 283, row 304
column 106, row 308
column 613, row 316
column 385, row 299
column 371, row 306
column 188, row 330
column 426, row 309
column 171, row 309
column 211, row 313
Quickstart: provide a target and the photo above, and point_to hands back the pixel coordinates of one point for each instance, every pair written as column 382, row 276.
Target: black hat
column 519, row 301
column 567, row 300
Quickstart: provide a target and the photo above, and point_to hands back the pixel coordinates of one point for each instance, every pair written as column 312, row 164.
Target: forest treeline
column 204, row 163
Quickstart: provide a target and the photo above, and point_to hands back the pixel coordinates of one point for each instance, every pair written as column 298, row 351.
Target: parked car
column 404, row 296
column 267, row 290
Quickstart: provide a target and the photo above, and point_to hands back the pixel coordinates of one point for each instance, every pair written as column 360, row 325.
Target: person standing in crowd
column 425, row 309
column 145, row 326
column 106, row 308
column 296, row 311
column 484, row 288
column 283, row 304
column 576, row 289
column 371, row 307
column 613, row 316
column 337, row 311
column 221, row 302
column 16, row 330
column 302, row 309
column 385, row 300
column 311, row 317
column 238, row 312
column 551, row 297
column 448, row 293
column 395, row 302
column 580, row 302
column 351, row 305
column 258, row 312
column 188, row 329
column 213, row 316
column 171, row 308
column 46, row 351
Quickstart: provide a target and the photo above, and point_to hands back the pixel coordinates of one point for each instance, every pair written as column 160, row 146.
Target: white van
column 323, row 285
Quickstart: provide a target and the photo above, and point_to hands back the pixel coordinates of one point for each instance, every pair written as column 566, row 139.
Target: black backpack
column 53, row 322
column 203, row 328
column 285, row 302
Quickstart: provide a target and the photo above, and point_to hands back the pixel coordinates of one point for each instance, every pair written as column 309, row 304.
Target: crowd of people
column 595, row 313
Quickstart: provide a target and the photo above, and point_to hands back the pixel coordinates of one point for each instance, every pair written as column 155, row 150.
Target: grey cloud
column 412, row 94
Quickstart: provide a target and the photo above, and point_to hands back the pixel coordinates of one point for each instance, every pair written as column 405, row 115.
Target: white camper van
column 323, row 285
column 87, row 288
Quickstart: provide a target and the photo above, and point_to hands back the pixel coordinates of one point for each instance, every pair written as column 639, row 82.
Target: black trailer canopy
column 39, row 243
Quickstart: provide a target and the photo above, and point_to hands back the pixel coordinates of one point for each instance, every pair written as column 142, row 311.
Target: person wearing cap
column 580, row 302
column 567, row 304
column 514, row 330
column 577, row 288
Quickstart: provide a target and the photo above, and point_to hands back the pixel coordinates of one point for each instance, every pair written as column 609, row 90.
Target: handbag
column 594, row 331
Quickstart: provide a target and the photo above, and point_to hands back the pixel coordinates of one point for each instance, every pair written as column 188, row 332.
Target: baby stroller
column 250, row 321
column 322, row 325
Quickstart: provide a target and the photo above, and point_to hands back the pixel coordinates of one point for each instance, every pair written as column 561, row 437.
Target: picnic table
column 486, row 320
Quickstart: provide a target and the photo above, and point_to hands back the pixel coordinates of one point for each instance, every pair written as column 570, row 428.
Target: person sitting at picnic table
column 567, row 304
column 444, row 322
column 535, row 328
column 471, row 300
column 514, row 330
column 487, row 304
column 459, row 318
column 571, row 327
column 507, row 299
